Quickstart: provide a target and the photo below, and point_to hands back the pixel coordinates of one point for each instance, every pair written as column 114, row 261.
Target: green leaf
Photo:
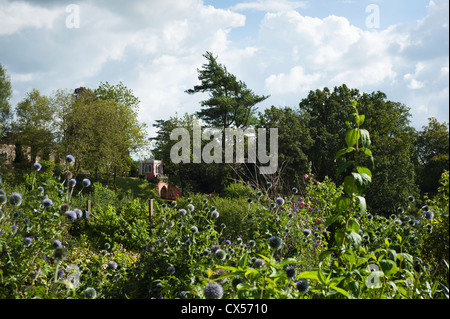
column 243, row 261
column 364, row 170
column 362, row 204
column 342, row 203
column 388, row 267
column 361, row 119
column 353, row 225
column 349, row 256
column 287, row 261
column 365, row 138
column 343, row 151
column 354, row 238
column 343, row 167
column 405, row 256
column 324, row 254
column 351, row 137
column 309, row 275
column 332, row 219
column 349, row 185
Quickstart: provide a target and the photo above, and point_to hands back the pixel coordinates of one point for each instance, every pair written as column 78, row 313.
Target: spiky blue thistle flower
column 71, row 215
column 70, row 159
column 37, row 167
column 190, row 207
column 182, row 212
column 213, row 290
column 112, row 265
column 47, row 202
column 258, row 263
column 27, row 241
column 428, row 214
column 78, row 212
column 220, row 254
column 194, row 229
column 290, row 271
column 72, row 182
column 90, row 293
column 40, row 189
column 86, row 182
column 280, row 201
column 171, row 270
column 302, row 285
column 275, row 242
column 57, row 243
column 15, row 199
column 215, row 214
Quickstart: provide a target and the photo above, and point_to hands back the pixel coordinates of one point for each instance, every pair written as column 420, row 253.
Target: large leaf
column 354, row 238
column 388, row 266
column 364, row 170
column 309, row 275
column 343, row 167
column 351, row 137
column 342, row 203
column 353, row 225
column 365, row 138
column 343, row 151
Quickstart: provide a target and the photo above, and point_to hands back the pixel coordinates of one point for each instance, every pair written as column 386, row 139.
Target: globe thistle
column 37, row 167
column 183, row 295
column 78, row 212
column 26, row 221
column 428, row 214
column 27, row 241
column 170, row 270
column 258, row 263
column 213, row 290
column 194, row 229
column 40, row 189
column 57, row 244
column 47, row 203
column 215, row 214
column 72, row 182
column 290, row 272
column 60, row 273
column 182, row 212
column 86, row 182
column 112, row 265
column 64, row 208
column 275, row 242
column 71, row 215
column 15, row 199
column 190, row 207
column 220, row 254
column 306, row 232
column 302, row 285
column 67, row 174
column 90, row 293
column 13, row 229
column 70, row 159
column 16, row 215
column 280, row 201
column 411, row 198
column 398, row 221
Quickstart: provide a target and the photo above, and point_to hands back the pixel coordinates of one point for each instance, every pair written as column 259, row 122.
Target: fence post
column 150, row 211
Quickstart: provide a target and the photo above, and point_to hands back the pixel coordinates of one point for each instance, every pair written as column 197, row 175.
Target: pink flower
column 306, row 176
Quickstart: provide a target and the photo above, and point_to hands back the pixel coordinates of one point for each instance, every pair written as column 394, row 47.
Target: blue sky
column 280, row 48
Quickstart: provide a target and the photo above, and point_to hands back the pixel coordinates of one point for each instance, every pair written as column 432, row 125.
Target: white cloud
column 15, row 16
column 270, row 5
column 295, row 81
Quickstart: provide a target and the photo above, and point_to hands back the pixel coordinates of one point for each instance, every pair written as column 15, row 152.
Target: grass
column 135, row 187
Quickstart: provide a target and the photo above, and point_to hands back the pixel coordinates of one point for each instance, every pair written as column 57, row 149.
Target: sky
column 280, row 48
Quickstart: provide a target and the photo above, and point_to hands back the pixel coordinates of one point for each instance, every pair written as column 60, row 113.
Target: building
column 153, row 169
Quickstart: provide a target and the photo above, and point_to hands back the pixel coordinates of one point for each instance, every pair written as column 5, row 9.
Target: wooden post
column 89, row 207
column 150, row 211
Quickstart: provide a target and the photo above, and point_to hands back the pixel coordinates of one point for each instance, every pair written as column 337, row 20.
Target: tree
column 294, row 141
column 33, row 124
column 230, row 102
column 392, row 142
column 101, row 132
column 432, row 146
column 5, row 96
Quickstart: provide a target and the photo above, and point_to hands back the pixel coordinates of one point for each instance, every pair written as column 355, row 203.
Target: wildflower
column 306, row 176
column 302, row 285
column 60, row 273
column 280, row 201
column 71, row 215
column 67, row 174
column 37, row 166
column 40, row 189
column 27, row 241
column 15, row 199
column 220, row 254
column 13, row 229
column 275, row 242
column 213, row 290
column 78, row 212
column 72, row 182
column 70, row 159
column 26, row 221
column 398, row 221
column 215, row 214
column 64, row 208
column 194, row 229
column 306, row 232
column 259, row 262
column 57, row 244
column 290, row 272
column 171, row 270
column 112, row 265
column 183, row 295
column 428, row 214
column 47, row 202
column 86, row 182
column 190, row 207
column 90, row 293
column 182, row 212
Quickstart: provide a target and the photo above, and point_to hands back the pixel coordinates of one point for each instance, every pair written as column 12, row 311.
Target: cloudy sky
column 280, row 48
